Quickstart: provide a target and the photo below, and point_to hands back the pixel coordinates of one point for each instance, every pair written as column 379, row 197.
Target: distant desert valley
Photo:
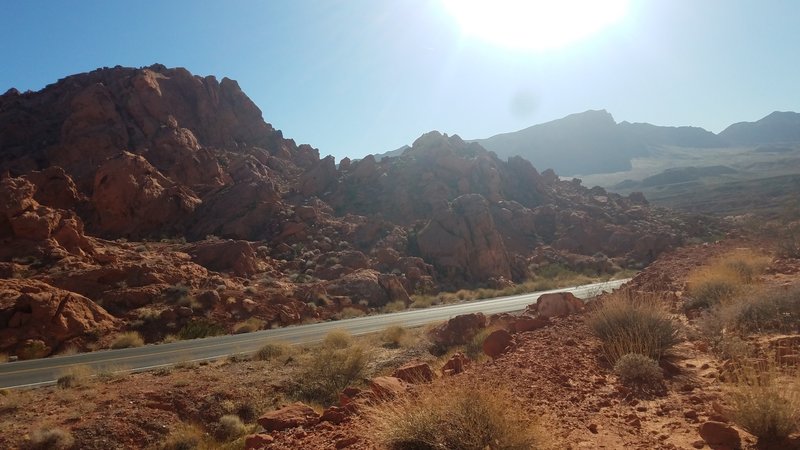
column 175, row 273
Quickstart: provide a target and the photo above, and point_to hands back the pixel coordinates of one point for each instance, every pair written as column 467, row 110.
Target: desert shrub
column 395, row 306
column 455, row 416
column 394, row 336
column 127, row 340
column 184, row 438
column 33, row 349
column 328, row 370
column 766, row 401
column 51, row 439
column 764, row 310
column 628, row 324
column 271, row 351
column 74, row 376
column 199, row 328
column 248, row 326
column 423, row 301
column 338, row 339
column 349, row 312
column 638, row 370
column 724, row 278
column 3, row 357
column 474, row 347
column 230, row 426
column 247, row 412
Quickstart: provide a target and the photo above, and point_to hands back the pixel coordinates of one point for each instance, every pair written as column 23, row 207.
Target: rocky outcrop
column 131, row 198
column 558, row 304
column 294, row 415
column 34, row 311
column 458, row 330
column 369, row 286
column 462, row 241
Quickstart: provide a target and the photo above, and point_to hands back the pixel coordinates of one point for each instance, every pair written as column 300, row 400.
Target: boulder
column 388, row 387
column 497, row 343
column 291, row 416
column 458, row 330
column 335, row 414
column 558, row 304
column 225, row 255
column 370, row 286
column 719, row 433
column 258, row 441
column 456, row 364
column 414, row 372
column 523, row 324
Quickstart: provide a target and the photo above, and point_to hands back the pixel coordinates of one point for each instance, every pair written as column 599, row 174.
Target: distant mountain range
column 593, row 142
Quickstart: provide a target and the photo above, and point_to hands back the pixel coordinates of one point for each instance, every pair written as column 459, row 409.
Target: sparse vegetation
column 248, row 326
column 724, row 278
column 200, row 328
column 330, row 368
column 34, row 349
column 74, row 376
column 349, row 312
column 51, row 439
column 338, row 339
column 127, row 340
column 626, row 323
column 186, row 437
column 230, row 427
column 455, row 416
column 766, row 400
column 395, row 306
column 638, row 370
column 394, row 336
column 271, row 351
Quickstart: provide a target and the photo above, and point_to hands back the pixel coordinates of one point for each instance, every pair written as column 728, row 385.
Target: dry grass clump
column 230, row 426
column 725, row 277
column 127, row 340
column 338, row 339
column 766, row 400
column 248, row 326
column 764, row 310
column 474, row 348
column 51, row 439
column 272, row 351
column 395, row 306
column 633, row 323
column 200, row 328
column 349, row 312
column 74, row 376
column 394, row 336
column 455, row 416
column 634, row 369
column 331, row 367
column 186, row 437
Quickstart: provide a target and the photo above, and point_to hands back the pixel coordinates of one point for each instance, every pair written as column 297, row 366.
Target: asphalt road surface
column 45, row 371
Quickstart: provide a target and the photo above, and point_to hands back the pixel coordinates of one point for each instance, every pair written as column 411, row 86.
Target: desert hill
column 148, row 199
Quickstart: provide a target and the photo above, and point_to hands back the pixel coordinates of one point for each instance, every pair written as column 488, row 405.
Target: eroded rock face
column 369, row 286
column 461, row 239
column 132, row 198
column 32, row 310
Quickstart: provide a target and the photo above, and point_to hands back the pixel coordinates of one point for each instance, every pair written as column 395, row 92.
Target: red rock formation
column 32, row 310
column 558, row 304
column 295, row 415
column 497, row 343
column 458, row 330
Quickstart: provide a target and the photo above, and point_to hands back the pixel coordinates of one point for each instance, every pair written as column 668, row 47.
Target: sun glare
column 535, row 24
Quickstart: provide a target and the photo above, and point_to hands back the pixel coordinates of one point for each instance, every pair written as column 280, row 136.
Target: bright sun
column 535, row 24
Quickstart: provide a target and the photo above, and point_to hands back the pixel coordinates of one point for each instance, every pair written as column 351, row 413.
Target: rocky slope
column 153, row 198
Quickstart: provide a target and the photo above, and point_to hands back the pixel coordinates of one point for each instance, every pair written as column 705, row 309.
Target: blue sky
column 365, row 76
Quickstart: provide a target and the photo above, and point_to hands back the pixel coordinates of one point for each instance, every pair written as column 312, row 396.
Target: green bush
column 638, row 370
column 200, row 328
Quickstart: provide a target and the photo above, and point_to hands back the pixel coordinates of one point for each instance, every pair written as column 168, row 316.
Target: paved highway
column 45, row 371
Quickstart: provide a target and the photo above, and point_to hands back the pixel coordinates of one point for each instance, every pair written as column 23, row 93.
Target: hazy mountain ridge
column 592, row 142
